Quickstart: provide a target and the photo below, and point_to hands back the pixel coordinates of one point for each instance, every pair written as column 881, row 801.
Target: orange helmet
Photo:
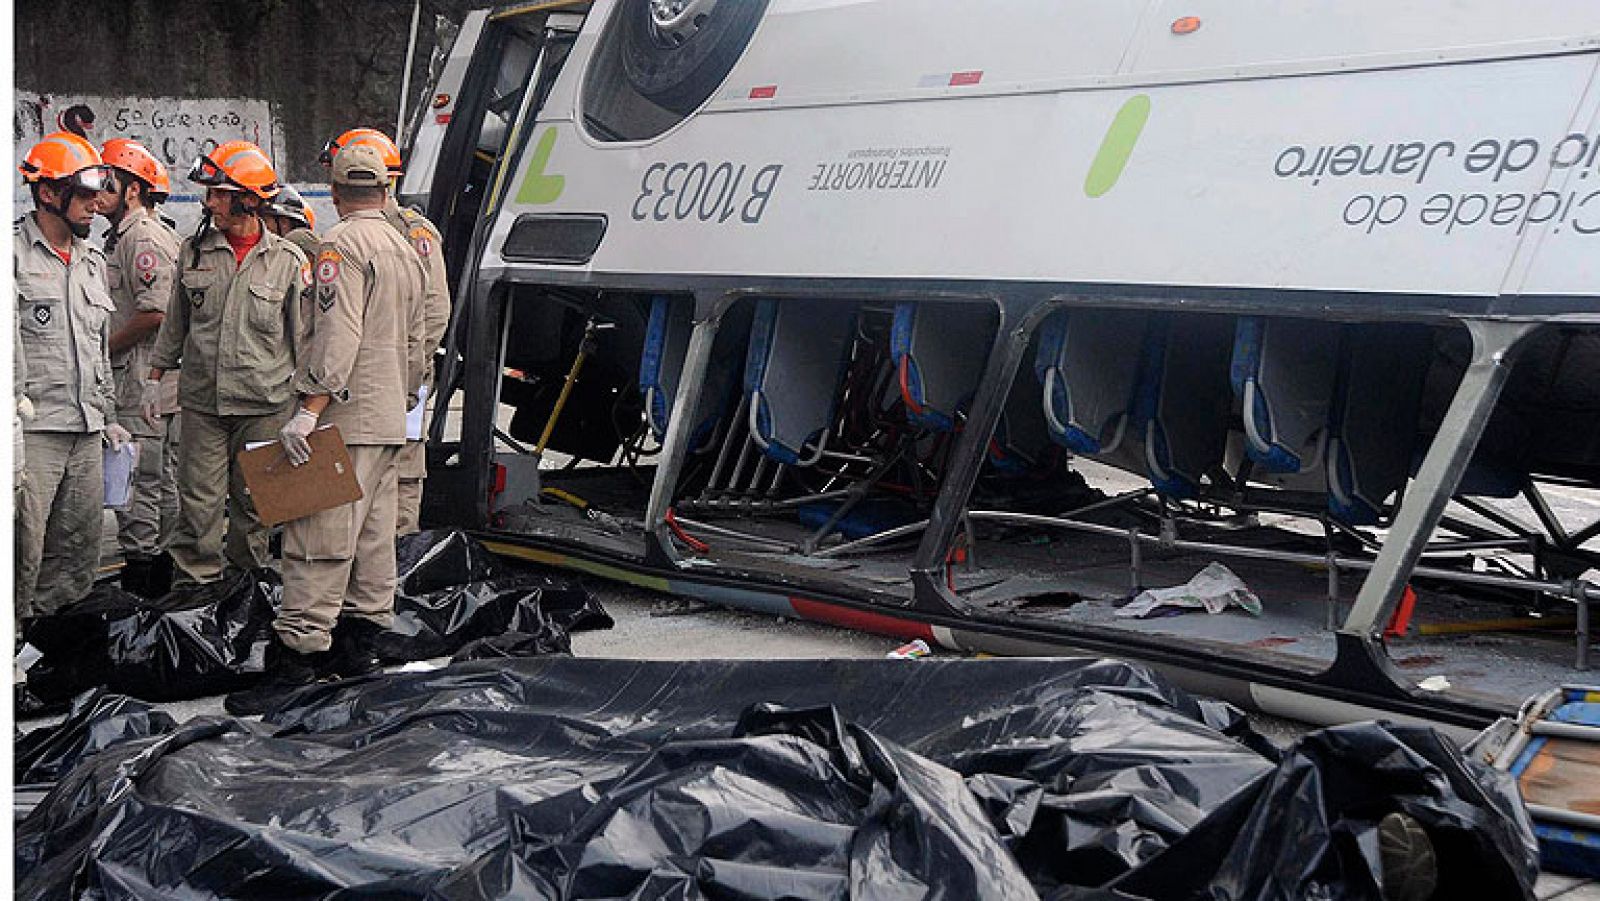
column 236, row 166
column 373, row 138
column 131, row 157
column 162, row 187
column 64, row 155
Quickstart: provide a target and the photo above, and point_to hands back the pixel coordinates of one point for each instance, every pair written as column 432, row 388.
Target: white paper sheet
column 119, row 468
column 414, row 417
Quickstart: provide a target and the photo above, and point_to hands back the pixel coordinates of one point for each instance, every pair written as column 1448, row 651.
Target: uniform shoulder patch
column 328, row 265
column 305, row 274
column 422, row 239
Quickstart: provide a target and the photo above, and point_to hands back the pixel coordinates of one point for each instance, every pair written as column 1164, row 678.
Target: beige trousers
column 342, row 560
column 413, row 470
column 147, row 523
column 209, row 483
column 58, row 523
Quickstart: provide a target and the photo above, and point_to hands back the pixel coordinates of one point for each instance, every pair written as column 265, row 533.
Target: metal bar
column 777, row 480
column 405, row 78
column 1564, row 816
column 675, row 445
column 1499, row 518
column 856, row 545
column 757, row 474
column 1547, row 517
column 1582, row 632
column 1565, row 730
column 847, row 457
column 735, row 428
column 1111, row 501
column 1135, row 562
column 1332, row 563
column 762, row 540
column 857, row 493
column 1584, row 534
column 1006, row 351
column 1566, row 590
column 1487, row 544
column 739, row 505
column 738, row 467
column 1494, row 345
column 514, row 444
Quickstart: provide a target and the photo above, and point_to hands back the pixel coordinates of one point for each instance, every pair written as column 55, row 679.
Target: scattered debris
column 910, row 651
column 1213, row 590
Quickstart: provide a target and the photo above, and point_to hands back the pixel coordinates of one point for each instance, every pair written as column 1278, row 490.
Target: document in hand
column 283, row 492
column 119, row 468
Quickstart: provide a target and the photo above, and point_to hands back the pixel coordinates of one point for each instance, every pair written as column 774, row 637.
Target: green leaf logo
column 1117, row 146
column 538, row 187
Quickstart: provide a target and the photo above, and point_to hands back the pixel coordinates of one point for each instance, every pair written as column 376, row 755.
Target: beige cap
column 360, row 165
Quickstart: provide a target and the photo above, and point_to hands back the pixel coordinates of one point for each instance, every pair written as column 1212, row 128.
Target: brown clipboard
column 283, row 492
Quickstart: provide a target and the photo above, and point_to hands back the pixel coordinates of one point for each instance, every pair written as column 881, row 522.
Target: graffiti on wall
column 176, row 130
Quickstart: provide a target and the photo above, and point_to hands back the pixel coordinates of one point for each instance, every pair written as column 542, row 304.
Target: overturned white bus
column 970, row 322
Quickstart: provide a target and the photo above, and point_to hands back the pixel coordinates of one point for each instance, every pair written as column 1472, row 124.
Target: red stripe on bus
column 860, row 620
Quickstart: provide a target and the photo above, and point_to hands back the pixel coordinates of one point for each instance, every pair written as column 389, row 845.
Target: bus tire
column 680, row 78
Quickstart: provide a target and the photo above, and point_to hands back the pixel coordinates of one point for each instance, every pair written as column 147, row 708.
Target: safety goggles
column 329, row 150
column 93, row 180
column 204, row 171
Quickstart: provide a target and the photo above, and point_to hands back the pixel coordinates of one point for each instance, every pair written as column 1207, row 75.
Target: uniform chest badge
column 197, row 296
column 41, row 314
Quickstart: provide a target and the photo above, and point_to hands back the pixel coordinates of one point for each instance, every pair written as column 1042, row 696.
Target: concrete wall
column 290, row 73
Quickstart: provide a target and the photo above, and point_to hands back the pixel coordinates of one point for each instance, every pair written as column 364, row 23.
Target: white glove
column 150, row 402
column 25, row 408
column 117, row 436
column 294, row 434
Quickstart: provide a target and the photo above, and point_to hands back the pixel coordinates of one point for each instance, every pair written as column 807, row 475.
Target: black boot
column 285, row 670
column 355, row 647
column 149, row 577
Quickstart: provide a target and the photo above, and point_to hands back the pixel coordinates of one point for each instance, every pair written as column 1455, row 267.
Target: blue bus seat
column 666, row 345
column 798, row 352
column 939, row 357
column 1284, row 374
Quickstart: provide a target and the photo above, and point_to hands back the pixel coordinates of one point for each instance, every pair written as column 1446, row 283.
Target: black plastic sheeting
column 566, row 778
column 99, row 720
column 210, row 640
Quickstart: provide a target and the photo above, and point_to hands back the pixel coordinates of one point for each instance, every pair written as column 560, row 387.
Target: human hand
column 150, row 402
column 117, row 436
column 294, row 435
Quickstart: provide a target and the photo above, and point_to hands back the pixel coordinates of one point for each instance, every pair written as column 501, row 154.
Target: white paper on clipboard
column 414, row 416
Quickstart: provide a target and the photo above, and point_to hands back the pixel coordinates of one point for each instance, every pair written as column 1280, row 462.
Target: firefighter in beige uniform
column 362, row 360
column 64, row 315
column 142, row 252
column 230, row 330
column 424, row 238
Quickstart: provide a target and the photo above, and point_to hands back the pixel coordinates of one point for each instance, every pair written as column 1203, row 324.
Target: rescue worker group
column 179, row 354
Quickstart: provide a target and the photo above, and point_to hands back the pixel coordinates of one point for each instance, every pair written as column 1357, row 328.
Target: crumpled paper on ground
column 1212, row 589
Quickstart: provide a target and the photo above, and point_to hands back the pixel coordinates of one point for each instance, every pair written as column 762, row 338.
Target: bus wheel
column 676, row 52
